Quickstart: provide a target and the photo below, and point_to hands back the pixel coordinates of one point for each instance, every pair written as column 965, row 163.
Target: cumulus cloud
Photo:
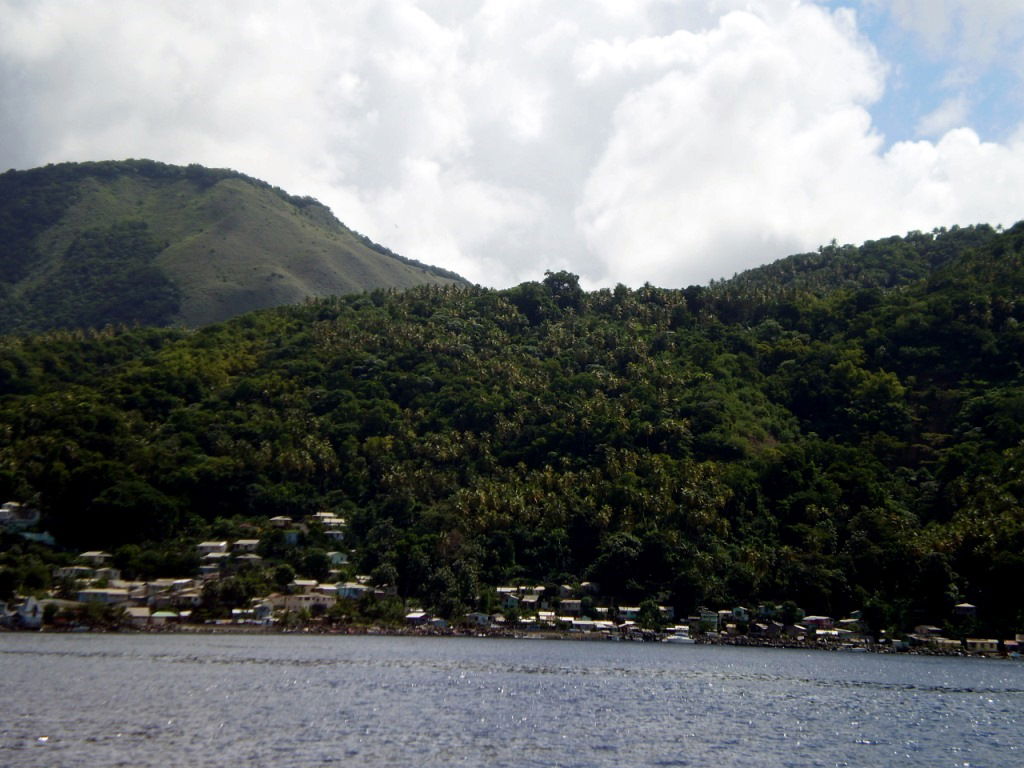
column 648, row 140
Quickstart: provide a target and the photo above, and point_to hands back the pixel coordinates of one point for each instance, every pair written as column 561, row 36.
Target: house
column 818, row 622
column 709, row 619
column 245, row 545
column 28, row 614
column 571, row 608
column 302, row 586
column 627, row 612
column 417, row 618
column 337, row 558
column 352, row 590
column 75, row 572
column 308, row 601
column 138, row 615
column 281, row 521
column 795, row 631
column 110, row 574
column 328, row 520
column 262, row 610
column 95, row 557
column 978, row 645
column 211, row 547
column 741, row 614
column 14, row 514
column 965, row 609
column 509, row 602
column 105, row 595
column 477, row 619
column 159, row 618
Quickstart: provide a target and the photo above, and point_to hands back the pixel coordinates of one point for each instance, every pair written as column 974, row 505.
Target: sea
column 87, row 700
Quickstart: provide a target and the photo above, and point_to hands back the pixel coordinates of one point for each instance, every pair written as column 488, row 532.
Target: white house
column 211, row 547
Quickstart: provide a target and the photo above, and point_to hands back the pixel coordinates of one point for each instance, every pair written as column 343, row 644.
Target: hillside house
column 211, row 547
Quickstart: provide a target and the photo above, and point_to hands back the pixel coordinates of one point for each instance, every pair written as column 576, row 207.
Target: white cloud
column 952, row 113
column 630, row 141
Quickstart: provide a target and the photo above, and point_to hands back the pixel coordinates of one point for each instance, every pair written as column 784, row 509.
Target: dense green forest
column 842, row 429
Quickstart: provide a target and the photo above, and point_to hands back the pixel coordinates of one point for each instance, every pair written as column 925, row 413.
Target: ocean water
column 286, row 700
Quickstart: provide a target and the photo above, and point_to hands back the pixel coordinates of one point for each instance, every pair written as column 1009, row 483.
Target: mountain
column 850, row 447
column 87, row 244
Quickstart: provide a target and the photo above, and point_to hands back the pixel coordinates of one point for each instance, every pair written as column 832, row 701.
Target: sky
column 628, row 141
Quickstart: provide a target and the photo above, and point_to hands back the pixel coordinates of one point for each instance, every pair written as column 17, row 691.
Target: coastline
column 484, row 633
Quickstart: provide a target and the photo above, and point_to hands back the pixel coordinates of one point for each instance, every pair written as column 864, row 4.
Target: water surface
column 286, row 700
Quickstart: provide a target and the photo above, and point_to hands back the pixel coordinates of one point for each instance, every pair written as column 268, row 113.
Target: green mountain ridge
column 86, row 244
column 838, row 443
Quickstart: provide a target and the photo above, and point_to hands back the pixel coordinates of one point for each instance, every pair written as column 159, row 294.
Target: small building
column 477, row 619
column 210, row 548
column 327, row 589
column 245, row 545
column 138, row 615
column 818, row 622
column 15, row 515
column 978, row 645
column 352, row 590
column 417, row 618
column 281, row 521
column 795, row 631
column 308, row 601
column 337, row 558
column 105, row 595
column 965, row 609
column 95, row 557
column 571, row 608
column 108, row 573
column 302, row 586
column 509, row 602
column 28, row 614
column 75, row 572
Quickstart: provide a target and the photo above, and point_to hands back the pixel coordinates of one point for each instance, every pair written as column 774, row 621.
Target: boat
column 679, row 636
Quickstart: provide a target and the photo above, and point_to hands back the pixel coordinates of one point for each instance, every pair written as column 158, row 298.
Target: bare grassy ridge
column 230, row 244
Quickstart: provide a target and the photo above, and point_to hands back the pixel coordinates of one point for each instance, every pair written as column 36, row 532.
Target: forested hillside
column 87, row 244
column 841, row 443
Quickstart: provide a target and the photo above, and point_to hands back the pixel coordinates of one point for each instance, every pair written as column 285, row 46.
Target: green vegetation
column 87, row 244
column 835, row 443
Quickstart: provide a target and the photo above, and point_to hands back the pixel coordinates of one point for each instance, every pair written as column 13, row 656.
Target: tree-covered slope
column 858, row 448
column 86, row 244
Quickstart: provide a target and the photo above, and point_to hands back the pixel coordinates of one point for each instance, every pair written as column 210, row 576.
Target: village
column 93, row 595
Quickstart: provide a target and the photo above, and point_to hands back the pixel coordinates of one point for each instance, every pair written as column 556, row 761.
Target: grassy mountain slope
column 207, row 245
column 855, row 449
